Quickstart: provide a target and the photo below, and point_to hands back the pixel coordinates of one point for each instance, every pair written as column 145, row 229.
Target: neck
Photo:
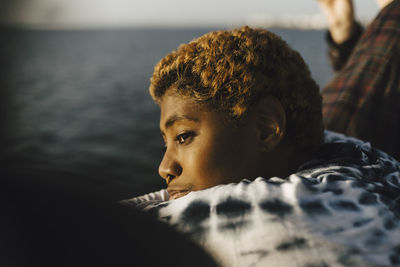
column 284, row 160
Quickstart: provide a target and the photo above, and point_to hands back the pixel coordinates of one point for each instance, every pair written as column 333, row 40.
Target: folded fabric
column 342, row 208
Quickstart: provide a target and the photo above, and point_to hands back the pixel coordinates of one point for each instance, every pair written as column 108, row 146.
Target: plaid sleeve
column 363, row 100
column 338, row 54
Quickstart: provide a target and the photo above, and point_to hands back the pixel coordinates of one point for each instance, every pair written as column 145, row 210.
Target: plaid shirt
column 363, row 100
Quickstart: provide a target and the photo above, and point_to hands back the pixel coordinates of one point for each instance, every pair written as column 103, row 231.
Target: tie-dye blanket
column 341, row 209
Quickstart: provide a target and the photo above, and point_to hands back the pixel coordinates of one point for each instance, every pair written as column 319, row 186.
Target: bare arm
column 340, row 16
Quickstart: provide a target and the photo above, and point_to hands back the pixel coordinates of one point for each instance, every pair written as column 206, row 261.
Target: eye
column 182, row 138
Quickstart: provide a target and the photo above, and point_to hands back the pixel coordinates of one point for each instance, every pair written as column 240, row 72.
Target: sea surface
column 75, row 103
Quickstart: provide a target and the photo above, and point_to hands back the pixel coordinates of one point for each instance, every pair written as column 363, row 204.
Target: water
column 77, row 101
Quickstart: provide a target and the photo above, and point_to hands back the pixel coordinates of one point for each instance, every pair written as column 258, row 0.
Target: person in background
column 363, row 98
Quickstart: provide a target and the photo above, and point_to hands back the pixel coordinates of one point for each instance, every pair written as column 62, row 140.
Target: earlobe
column 271, row 123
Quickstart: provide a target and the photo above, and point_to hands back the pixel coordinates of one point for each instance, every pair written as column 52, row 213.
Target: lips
column 174, row 194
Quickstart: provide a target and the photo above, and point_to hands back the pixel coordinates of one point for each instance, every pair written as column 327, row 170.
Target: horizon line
column 306, row 22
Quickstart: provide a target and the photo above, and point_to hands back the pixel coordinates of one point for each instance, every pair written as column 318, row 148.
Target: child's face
column 201, row 149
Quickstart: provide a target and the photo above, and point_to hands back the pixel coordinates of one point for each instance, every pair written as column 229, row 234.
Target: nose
column 169, row 167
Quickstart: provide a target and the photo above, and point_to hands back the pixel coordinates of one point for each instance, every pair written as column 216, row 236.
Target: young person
column 240, row 105
column 234, row 104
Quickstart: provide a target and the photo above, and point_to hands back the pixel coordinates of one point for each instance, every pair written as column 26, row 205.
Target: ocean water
column 77, row 103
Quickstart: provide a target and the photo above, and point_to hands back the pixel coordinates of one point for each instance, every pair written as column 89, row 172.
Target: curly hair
column 229, row 71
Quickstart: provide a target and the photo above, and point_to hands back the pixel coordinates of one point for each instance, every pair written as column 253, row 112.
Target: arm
column 344, row 31
column 362, row 99
column 339, row 53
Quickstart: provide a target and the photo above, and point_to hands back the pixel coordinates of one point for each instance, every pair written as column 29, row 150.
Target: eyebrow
column 174, row 118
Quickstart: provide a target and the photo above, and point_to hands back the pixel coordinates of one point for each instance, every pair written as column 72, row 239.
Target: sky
column 163, row 13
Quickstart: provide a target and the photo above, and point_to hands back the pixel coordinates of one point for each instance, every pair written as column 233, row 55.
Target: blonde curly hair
column 229, row 71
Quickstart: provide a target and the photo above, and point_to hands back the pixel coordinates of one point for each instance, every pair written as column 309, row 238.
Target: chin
column 176, row 195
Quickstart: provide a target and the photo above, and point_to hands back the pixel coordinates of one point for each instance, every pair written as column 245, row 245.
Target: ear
column 270, row 122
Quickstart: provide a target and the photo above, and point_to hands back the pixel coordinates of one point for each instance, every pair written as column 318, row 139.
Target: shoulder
column 344, row 204
column 240, row 224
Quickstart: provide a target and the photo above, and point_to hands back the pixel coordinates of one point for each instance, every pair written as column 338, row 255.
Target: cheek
column 234, row 157
column 202, row 167
column 218, row 162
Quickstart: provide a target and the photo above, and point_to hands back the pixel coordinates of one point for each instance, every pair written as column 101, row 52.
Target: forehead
column 173, row 105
